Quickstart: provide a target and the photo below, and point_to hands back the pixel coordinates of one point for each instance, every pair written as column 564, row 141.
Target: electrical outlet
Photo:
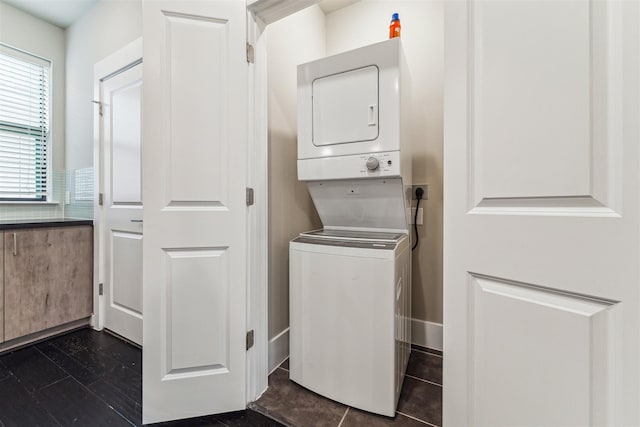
column 425, row 189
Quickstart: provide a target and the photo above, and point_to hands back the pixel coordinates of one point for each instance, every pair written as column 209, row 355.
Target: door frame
column 258, row 216
column 112, row 64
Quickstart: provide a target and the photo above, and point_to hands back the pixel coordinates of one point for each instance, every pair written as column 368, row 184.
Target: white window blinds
column 24, row 125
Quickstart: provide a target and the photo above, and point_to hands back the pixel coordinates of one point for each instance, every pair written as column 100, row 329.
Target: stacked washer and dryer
column 350, row 282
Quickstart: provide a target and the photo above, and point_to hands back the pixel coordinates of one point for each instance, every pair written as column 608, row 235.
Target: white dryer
column 350, row 283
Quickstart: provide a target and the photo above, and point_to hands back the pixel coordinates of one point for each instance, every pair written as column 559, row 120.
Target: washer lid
column 369, row 244
column 364, row 236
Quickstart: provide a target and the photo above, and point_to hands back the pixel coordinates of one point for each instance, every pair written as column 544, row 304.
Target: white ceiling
column 65, row 12
column 58, row 12
column 329, row 6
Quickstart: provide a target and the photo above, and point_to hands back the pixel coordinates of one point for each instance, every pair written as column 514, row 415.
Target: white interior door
column 542, row 221
column 121, row 100
column 194, row 179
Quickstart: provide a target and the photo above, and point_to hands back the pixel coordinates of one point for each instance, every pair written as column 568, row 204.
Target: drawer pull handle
column 15, row 244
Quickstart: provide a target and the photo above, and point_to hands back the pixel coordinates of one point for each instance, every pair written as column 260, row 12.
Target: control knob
column 372, row 163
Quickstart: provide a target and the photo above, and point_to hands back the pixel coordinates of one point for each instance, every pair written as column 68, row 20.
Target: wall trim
column 278, row 349
column 426, row 334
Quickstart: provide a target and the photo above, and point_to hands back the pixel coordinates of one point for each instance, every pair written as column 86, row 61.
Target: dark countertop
column 9, row 224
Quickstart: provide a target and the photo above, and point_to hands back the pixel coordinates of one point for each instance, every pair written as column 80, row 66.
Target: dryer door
column 345, row 107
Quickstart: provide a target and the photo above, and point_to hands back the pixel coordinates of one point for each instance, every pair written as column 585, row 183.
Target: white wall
column 105, row 28
column 367, row 22
column 26, row 32
column 294, row 40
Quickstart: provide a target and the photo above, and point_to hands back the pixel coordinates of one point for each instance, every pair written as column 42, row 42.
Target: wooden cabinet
column 48, row 278
column 1, row 293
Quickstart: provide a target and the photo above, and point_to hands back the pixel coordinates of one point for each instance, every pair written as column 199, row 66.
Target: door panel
column 122, row 125
column 126, row 128
column 126, row 257
column 197, row 94
column 197, row 289
column 544, row 97
column 195, row 122
column 566, row 335
column 542, row 230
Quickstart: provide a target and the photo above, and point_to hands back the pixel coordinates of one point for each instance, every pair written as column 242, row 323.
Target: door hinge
column 249, row 339
column 100, row 199
column 250, row 53
column 99, row 106
column 249, row 196
column 100, row 289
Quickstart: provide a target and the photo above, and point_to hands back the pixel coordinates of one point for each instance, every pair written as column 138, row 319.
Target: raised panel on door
column 535, row 347
column 197, row 288
column 194, row 153
column 542, row 230
column 124, row 297
column 48, row 278
column 543, row 95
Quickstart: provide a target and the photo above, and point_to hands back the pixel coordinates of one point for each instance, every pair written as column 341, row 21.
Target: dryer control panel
column 370, row 165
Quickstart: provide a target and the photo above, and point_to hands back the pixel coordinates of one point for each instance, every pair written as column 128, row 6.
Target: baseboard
column 278, row 349
column 426, row 334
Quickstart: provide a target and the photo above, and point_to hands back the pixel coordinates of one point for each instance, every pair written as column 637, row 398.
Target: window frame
column 47, row 64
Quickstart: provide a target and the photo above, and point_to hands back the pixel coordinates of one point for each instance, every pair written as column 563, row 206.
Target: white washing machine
column 350, row 316
column 350, row 282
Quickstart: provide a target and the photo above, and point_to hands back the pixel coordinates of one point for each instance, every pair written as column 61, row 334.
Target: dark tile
column 126, row 381
column 96, row 340
column 426, row 350
column 126, row 407
column 208, row 421
column 358, row 418
column 4, row 372
column 32, row 368
column 18, row 408
column 421, row 400
column 285, row 364
column 127, row 354
column 292, row 404
column 72, row 404
column 96, row 361
column 425, row 366
column 70, row 343
column 247, row 418
column 67, row 363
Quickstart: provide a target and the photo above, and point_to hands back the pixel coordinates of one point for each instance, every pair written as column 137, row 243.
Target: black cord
column 419, row 193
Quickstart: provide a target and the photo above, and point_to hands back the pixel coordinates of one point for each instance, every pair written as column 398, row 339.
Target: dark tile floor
column 89, row 378
column 420, row 401
column 85, row 378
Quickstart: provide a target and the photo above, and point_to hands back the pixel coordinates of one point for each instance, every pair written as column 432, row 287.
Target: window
column 24, row 125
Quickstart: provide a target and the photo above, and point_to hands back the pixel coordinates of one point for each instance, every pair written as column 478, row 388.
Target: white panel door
column 542, row 219
column 121, row 97
column 194, row 178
